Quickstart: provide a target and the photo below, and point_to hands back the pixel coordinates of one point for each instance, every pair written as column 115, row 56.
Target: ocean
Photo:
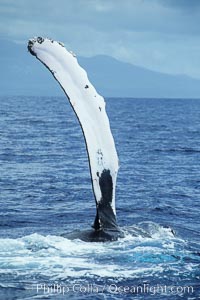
column 45, row 191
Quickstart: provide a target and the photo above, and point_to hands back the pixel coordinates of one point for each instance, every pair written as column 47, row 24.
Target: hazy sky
column 162, row 35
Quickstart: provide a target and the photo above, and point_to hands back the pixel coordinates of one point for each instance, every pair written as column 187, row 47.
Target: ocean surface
column 45, row 191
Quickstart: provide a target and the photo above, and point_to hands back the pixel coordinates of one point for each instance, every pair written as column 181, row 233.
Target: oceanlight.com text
column 80, row 288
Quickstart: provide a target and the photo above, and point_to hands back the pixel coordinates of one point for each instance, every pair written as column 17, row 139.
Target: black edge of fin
column 105, row 218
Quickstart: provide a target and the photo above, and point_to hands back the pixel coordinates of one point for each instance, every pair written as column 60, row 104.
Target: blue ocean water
column 45, row 191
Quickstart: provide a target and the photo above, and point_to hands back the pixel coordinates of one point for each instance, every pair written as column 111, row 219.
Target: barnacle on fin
column 40, row 40
column 30, row 44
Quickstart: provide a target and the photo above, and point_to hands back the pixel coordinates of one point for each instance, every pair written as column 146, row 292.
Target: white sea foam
column 59, row 258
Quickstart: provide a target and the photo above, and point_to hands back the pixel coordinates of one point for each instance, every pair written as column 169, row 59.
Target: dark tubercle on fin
column 105, row 217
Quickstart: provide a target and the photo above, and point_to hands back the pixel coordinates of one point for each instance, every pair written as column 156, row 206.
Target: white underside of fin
column 88, row 105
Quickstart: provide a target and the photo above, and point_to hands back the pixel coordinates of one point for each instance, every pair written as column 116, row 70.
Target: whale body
column 89, row 108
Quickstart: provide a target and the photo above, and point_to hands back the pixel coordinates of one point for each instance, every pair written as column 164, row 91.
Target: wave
column 183, row 150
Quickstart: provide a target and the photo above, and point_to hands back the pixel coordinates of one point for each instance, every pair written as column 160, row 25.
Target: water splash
column 56, row 257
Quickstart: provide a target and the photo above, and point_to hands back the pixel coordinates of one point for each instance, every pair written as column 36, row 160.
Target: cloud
column 159, row 34
column 110, row 15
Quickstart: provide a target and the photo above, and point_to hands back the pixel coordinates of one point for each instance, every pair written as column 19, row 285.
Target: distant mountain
column 23, row 75
column 115, row 78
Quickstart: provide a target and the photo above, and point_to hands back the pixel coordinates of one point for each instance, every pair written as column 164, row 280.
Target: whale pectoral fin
column 89, row 108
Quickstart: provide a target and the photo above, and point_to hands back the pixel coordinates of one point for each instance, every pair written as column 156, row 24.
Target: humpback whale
column 89, row 108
